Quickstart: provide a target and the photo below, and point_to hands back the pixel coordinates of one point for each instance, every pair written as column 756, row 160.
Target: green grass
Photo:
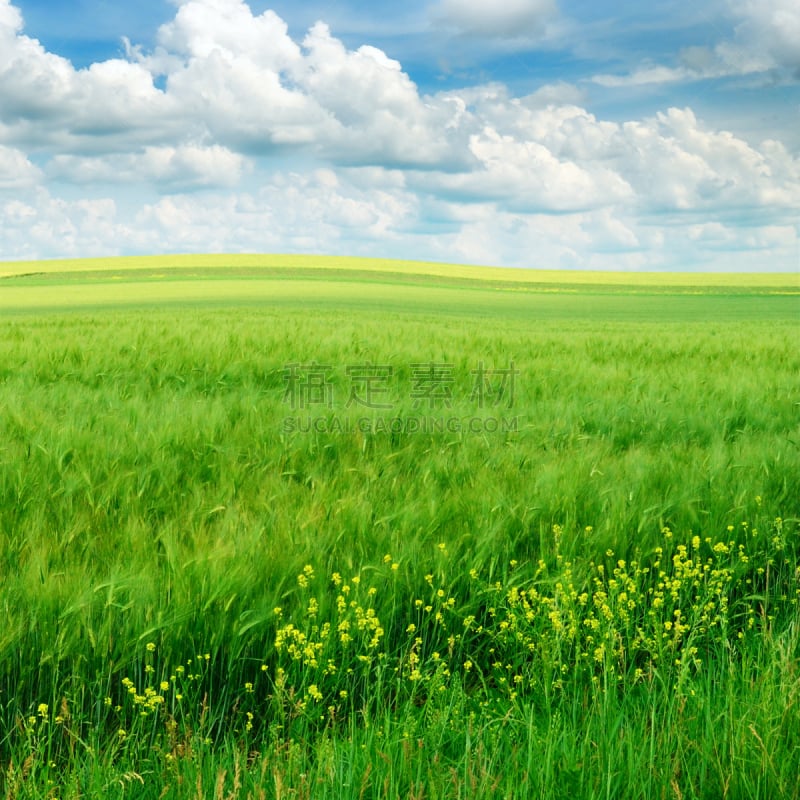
column 200, row 602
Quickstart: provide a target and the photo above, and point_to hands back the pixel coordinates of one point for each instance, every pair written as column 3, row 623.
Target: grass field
column 274, row 530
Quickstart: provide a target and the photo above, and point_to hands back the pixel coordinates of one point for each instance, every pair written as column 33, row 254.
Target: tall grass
column 174, row 563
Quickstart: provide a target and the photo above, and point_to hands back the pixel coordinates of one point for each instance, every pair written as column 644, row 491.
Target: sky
column 554, row 134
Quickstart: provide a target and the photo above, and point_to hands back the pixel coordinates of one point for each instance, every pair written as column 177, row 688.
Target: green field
column 327, row 528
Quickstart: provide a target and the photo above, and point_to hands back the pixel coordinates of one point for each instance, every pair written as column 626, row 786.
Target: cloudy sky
column 578, row 134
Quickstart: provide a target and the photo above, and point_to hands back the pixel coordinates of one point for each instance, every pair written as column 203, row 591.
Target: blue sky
column 531, row 133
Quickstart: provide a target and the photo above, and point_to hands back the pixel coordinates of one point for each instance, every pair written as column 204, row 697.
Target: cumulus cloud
column 194, row 130
column 235, row 78
column 202, row 27
column 10, row 20
column 676, row 164
column 526, row 175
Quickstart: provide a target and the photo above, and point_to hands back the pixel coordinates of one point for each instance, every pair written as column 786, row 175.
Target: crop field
column 274, row 527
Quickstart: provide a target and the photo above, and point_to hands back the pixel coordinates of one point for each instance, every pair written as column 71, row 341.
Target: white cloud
column 172, row 168
column 511, row 19
column 526, row 175
column 16, row 171
column 43, row 225
column 293, row 212
column 379, row 114
column 696, row 64
column 767, row 38
column 237, row 80
column 675, row 163
column 648, row 75
column 10, row 20
column 202, row 27
column 255, row 141
column 45, row 102
column 771, row 26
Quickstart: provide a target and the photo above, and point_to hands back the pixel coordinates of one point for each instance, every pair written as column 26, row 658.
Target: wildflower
column 151, row 647
column 314, row 692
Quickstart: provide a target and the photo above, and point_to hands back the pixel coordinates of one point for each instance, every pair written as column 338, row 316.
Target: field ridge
column 774, row 280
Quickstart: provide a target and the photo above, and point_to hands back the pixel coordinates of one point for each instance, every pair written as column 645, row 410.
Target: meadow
column 382, row 530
